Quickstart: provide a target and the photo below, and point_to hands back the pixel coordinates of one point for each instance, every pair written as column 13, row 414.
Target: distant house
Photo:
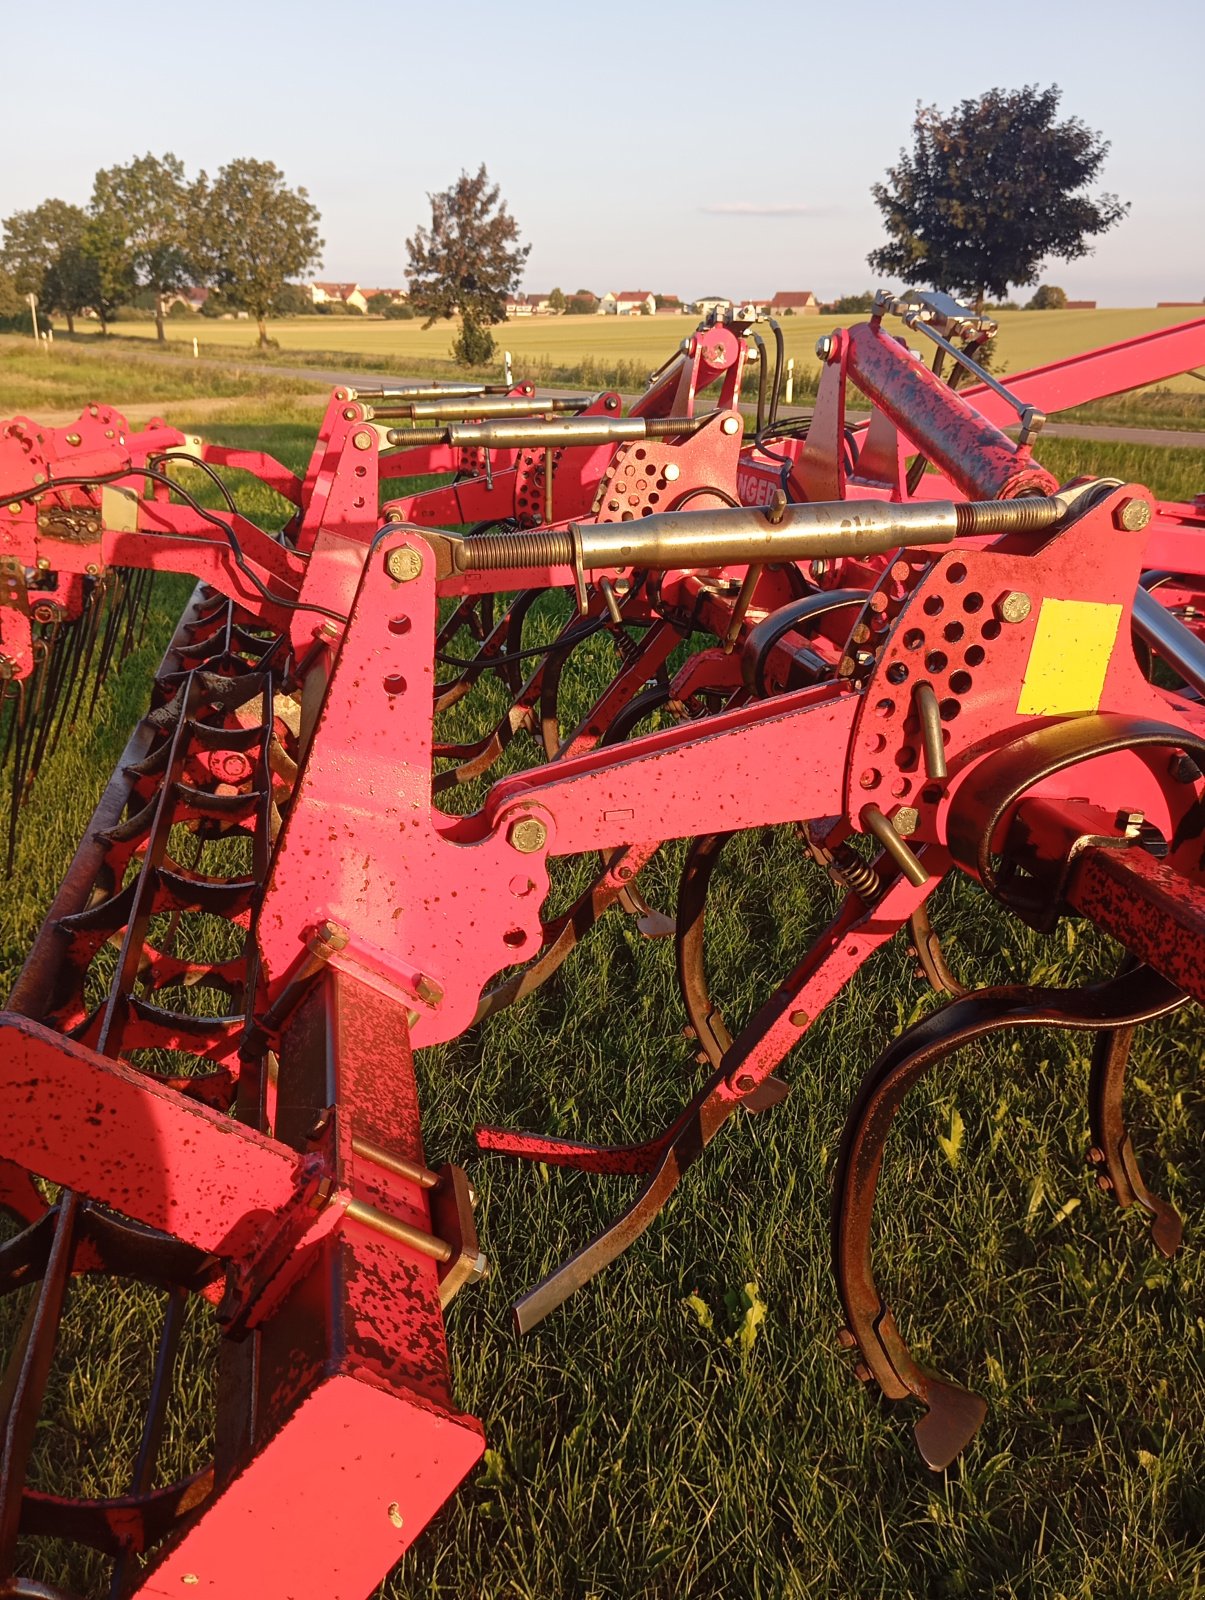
column 670, row 305
column 194, row 299
column 707, row 303
column 586, row 295
column 538, row 303
column 517, row 305
column 395, row 297
column 349, row 294
column 799, row 302
column 1081, row 305
column 629, row 302
column 1173, row 303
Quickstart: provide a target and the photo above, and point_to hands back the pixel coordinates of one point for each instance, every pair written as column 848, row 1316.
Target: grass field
column 548, row 345
column 639, row 1446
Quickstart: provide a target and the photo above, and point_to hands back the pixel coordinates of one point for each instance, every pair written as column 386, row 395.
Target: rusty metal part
column 952, row 1414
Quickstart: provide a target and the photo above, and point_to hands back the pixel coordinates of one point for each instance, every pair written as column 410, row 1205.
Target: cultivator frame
column 209, row 1049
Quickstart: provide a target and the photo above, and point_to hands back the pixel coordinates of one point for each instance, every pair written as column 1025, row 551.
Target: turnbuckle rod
column 452, row 409
column 438, row 391
column 814, row 531
column 558, row 432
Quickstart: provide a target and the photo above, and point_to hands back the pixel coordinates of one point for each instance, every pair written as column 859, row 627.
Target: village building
column 794, row 302
column 348, row 294
column 629, row 302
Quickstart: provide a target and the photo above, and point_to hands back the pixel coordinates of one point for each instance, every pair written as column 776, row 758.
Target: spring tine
column 1112, row 1152
column 91, row 617
column 116, row 600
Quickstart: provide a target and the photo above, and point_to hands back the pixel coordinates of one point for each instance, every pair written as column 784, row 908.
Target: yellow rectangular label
column 1069, row 658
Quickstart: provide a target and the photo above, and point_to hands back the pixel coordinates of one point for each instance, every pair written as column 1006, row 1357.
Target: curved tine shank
column 952, row 1414
column 684, row 1143
column 930, row 956
column 1113, row 1150
column 710, row 1029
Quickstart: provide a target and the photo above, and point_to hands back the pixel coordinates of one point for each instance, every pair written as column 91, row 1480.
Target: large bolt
column 729, row 425
column 1132, row 515
column 403, row 564
column 527, row 835
column 362, row 440
column 672, row 471
column 1014, row 606
column 825, row 347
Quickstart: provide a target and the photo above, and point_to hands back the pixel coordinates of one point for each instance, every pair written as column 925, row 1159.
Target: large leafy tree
column 991, row 190
column 467, row 262
column 107, row 250
column 43, row 252
column 252, row 233
column 153, row 201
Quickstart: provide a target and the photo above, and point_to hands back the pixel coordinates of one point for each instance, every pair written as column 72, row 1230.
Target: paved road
column 330, row 377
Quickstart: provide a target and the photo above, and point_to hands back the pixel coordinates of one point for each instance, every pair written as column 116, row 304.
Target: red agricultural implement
column 910, row 641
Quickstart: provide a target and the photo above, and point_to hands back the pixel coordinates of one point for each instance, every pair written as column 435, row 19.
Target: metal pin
column 874, row 822
column 928, row 714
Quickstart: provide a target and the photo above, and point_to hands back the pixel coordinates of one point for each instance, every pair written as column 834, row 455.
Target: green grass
column 73, row 374
column 636, row 1452
column 624, row 349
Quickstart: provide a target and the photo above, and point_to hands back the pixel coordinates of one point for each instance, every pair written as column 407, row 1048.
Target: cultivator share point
column 905, row 637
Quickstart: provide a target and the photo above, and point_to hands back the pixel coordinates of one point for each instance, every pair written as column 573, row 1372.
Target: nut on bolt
column 362, row 440
column 906, row 821
column 1015, row 606
column 526, row 835
column 403, row 564
column 1132, row 515
column 826, row 347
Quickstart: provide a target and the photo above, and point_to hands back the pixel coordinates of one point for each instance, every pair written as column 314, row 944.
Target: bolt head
column 826, row 346
column 362, row 440
column 906, row 821
column 745, row 1082
column 43, row 564
column 1014, row 607
column 404, row 564
column 729, row 425
column 526, row 835
column 672, row 472
column 1132, row 515
column 428, row 991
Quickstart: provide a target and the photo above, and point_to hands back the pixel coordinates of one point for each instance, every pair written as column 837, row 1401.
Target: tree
column 153, row 200
column 1048, row 298
column 580, row 305
column 990, row 191
column 556, row 300
column 848, row 304
column 42, row 251
column 252, row 234
column 105, row 245
column 12, row 305
column 467, row 262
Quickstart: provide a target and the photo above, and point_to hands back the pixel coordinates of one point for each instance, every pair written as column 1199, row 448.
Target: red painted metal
column 280, row 1171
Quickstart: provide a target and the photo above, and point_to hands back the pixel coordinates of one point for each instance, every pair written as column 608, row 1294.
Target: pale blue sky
column 639, row 145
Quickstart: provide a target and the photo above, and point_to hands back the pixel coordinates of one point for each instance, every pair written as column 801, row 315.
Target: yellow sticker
column 1069, row 658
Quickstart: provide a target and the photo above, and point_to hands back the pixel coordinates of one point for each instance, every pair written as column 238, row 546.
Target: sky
column 680, row 146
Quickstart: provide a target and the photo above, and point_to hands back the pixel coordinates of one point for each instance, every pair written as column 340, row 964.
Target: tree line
column 151, row 228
